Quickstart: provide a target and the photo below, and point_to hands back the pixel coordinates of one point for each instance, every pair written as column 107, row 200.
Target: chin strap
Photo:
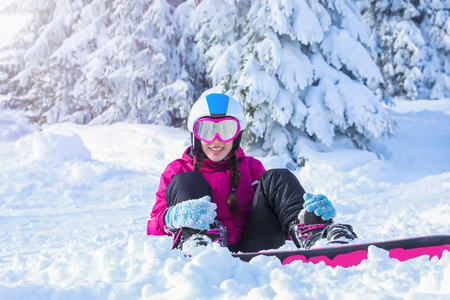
column 235, row 148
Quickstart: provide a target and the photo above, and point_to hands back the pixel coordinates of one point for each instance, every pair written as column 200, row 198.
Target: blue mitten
column 320, row 205
column 196, row 214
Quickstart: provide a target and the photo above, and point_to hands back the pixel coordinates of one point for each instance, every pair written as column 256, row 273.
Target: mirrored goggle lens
column 207, row 130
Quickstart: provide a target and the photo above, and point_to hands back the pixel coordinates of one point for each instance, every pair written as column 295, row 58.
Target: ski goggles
column 207, row 129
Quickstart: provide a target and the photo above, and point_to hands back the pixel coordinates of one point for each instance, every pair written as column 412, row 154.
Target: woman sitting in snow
column 215, row 193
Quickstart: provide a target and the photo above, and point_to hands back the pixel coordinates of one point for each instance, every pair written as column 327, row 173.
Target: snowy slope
column 74, row 202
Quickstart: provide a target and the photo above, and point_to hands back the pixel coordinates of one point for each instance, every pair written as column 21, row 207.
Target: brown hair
column 235, row 176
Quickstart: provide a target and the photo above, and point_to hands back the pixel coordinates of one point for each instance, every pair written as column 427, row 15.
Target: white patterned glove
column 195, row 214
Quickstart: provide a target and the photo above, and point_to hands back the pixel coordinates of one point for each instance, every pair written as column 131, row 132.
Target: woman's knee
column 187, row 186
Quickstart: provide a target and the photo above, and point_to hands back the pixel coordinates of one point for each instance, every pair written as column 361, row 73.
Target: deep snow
column 74, row 201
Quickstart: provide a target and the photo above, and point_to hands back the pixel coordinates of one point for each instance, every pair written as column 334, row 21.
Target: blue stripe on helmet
column 217, row 103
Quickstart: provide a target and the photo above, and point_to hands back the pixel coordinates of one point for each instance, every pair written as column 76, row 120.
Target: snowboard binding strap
column 307, row 228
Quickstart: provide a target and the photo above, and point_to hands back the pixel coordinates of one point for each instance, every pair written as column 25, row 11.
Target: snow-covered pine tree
column 413, row 37
column 102, row 61
column 18, row 66
column 297, row 66
column 138, row 71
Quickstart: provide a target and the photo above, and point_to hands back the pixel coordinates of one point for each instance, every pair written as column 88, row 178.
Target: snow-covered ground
column 74, row 201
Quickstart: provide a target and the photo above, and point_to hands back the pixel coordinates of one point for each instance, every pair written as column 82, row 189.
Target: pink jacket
column 218, row 176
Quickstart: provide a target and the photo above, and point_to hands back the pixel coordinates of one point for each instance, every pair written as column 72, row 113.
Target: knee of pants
column 187, row 186
column 279, row 175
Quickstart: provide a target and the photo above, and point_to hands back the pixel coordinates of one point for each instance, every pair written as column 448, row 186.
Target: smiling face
column 217, row 150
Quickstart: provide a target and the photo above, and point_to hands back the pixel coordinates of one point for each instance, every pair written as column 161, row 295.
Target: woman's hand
column 320, row 205
column 196, row 214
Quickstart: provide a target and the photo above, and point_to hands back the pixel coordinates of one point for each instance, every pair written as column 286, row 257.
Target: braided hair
column 235, row 176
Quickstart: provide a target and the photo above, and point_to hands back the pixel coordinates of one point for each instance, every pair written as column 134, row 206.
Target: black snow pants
column 277, row 201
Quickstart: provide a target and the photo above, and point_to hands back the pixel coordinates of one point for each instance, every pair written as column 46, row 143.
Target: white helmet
column 216, row 106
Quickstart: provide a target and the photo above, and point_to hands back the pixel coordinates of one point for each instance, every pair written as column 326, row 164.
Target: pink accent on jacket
column 218, row 176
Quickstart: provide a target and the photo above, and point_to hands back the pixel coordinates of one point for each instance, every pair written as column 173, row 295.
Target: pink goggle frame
column 207, row 129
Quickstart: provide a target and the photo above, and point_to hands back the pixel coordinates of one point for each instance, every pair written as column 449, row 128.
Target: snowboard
column 353, row 254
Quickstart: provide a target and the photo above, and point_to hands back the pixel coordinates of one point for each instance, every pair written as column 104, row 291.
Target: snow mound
column 50, row 147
